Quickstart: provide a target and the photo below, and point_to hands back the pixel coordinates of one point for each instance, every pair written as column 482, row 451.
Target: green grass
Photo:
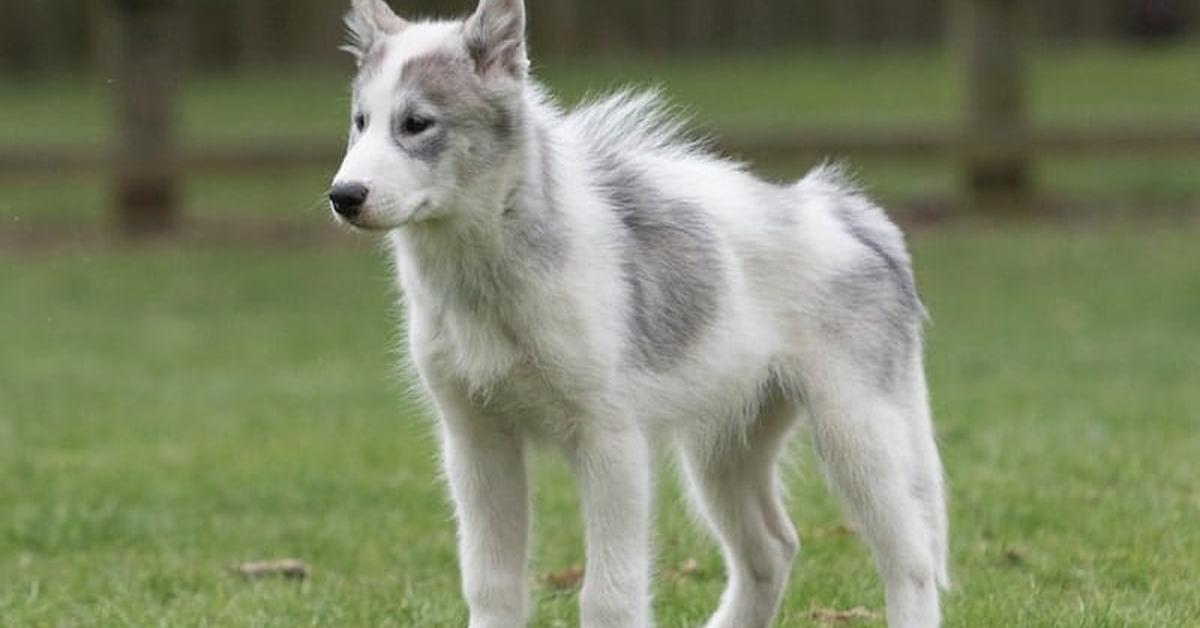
column 167, row 413
column 727, row 92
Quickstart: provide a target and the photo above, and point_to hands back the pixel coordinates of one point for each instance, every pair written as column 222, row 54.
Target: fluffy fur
column 596, row 281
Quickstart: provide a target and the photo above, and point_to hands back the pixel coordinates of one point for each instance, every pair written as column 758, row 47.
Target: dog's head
column 436, row 114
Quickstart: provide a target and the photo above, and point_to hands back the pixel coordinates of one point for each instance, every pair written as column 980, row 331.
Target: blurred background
column 196, row 110
column 198, row 368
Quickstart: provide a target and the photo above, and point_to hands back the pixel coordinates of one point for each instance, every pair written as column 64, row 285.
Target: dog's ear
column 495, row 37
column 367, row 23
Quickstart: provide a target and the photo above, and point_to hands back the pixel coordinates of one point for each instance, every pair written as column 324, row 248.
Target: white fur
column 546, row 357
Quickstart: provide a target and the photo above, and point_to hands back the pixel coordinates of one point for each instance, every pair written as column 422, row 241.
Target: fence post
column 146, row 168
column 996, row 147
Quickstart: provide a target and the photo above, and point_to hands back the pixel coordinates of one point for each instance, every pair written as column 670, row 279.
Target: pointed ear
column 495, row 37
column 367, row 23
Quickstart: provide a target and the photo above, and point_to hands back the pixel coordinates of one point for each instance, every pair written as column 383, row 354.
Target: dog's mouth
column 386, row 219
column 360, row 223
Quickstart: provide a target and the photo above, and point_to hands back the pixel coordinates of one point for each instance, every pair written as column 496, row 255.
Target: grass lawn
column 166, row 413
column 773, row 90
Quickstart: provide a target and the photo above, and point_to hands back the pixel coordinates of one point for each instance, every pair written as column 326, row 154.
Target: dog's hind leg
column 735, row 485
column 929, row 478
column 863, row 437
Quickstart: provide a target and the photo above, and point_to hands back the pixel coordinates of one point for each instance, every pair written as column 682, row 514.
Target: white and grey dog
column 593, row 280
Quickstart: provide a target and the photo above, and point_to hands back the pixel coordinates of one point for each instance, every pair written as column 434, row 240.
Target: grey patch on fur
column 447, row 82
column 881, row 245
column 427, row 146
column 877, row 312
column 538, row 233
column 872, row 320
column 868, row 224
column 440, row 76
column 505, row 123
column 672, row 266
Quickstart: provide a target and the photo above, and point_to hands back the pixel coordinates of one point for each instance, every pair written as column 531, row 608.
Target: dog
column 594, row 281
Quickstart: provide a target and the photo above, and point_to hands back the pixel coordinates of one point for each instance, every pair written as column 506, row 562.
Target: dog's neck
column 481, row 258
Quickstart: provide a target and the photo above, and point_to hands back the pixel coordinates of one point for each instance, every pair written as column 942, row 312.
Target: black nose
column 348, row 198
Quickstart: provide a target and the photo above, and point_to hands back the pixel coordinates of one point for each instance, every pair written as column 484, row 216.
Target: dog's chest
column 497, row 367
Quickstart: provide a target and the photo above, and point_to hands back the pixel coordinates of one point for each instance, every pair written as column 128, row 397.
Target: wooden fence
column 48, row 35
column 996, row 148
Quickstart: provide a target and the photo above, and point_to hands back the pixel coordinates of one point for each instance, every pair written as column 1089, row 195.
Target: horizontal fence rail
column 51, row 162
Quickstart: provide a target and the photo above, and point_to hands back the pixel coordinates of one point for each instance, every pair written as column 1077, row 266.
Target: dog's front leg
column 485, row 465
column 612, row 466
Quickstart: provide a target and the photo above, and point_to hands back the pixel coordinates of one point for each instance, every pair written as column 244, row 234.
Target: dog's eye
column 360, row 121
column 415, row 125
